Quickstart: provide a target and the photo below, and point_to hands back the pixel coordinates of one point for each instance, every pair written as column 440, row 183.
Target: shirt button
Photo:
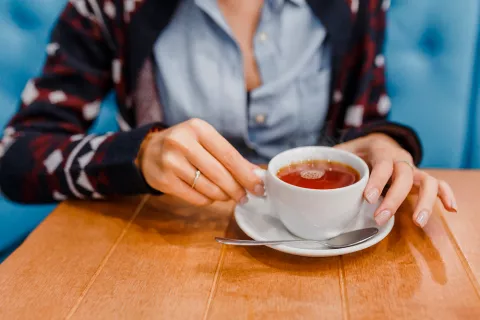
column 260, row 118
column 263, row 36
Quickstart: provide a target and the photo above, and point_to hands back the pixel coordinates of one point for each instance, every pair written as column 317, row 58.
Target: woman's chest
column 202, row 70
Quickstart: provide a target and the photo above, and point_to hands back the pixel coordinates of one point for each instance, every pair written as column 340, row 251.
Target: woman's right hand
column 171, row 158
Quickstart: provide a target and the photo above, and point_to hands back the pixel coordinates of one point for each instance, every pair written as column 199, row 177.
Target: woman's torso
column 200, row 73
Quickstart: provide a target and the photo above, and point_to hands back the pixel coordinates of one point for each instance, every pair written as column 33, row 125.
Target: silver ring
column 407, row 162
column 197, row 175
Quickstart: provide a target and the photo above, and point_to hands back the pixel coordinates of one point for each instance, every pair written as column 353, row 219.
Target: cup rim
column 341, row 189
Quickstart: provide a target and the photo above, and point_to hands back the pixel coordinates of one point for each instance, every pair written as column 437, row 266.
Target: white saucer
column 259, row 223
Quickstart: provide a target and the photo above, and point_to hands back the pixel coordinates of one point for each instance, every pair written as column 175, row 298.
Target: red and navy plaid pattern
column 46, row 154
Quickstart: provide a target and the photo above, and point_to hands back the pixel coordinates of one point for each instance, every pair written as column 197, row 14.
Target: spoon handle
column 236, row 242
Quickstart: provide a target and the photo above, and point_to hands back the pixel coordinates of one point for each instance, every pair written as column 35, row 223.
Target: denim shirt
column 200, row 74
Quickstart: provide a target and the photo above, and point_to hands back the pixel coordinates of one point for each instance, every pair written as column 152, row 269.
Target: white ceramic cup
column 312, row 213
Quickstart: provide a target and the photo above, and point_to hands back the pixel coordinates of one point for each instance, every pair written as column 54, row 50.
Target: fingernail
column 243, row 201
column 454, row 205
column 383, row 217
column 422, row 217
column 372, row 195
column 259, row 190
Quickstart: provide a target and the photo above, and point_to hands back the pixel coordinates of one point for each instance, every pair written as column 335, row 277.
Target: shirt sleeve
column 46, row 154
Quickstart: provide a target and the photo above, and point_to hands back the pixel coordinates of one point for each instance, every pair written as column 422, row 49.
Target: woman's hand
column 171, row 158
column 388, row 161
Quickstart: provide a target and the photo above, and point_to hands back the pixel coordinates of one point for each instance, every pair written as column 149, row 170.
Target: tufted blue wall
column 432, row 69
column 24, row 31
column 474, row 158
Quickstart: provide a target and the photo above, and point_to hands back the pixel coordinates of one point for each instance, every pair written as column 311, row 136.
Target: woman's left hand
column 390, row 162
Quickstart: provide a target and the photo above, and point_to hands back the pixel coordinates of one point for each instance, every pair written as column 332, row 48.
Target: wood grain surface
column 155, row 258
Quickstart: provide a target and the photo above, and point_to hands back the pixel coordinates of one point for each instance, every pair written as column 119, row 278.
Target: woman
column 264, row 76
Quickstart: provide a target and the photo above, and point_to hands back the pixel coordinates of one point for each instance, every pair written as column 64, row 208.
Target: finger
column 187, row 172
column 211, row 168
column 426, row 200
column 229, row 157
column 185, row 192
column 447, row 196
column 381, row 172
column 354, row 146
column 177, row 188
column 401, row 186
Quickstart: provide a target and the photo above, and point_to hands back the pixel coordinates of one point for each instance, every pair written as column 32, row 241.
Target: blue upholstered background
column 433, row 67
column 433, row 63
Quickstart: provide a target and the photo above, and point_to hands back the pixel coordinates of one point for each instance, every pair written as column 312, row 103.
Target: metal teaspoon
column 343, row 240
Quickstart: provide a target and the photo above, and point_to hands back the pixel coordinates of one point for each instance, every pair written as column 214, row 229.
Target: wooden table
column 155, row 258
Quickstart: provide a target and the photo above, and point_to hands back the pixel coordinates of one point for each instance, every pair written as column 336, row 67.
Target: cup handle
column 261, row 173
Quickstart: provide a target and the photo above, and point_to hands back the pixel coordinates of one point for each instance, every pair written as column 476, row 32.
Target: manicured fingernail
column 243, row 200
column 421, row 218
column 383, row 217
column 259, row 190
column 372, row 195
column 454, row 205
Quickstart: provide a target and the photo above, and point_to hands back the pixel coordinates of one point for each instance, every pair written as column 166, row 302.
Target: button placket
column 260, row 119
column 263, row 36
